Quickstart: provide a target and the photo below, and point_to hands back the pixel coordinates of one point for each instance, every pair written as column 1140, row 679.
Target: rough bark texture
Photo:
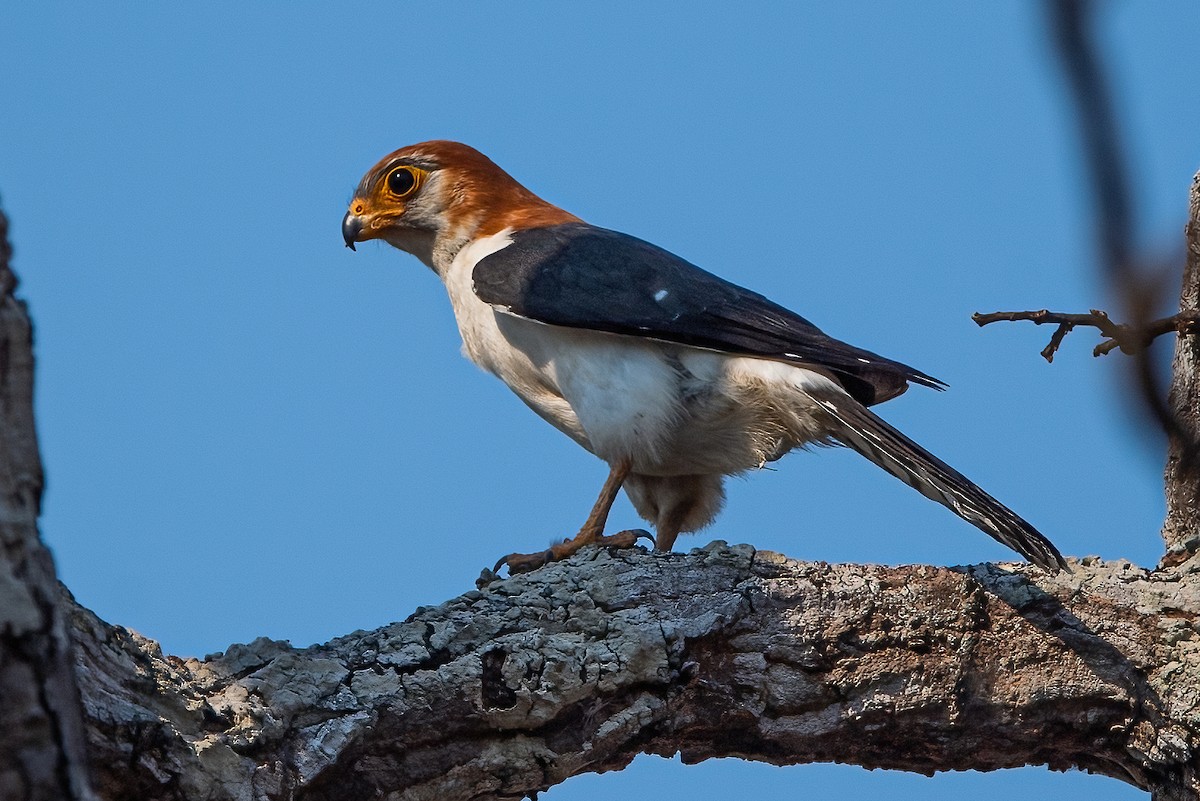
column 720, row 652
column 41, row 753
column 1182, row 527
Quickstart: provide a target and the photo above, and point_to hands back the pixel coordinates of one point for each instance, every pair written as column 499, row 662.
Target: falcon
column 674, row 377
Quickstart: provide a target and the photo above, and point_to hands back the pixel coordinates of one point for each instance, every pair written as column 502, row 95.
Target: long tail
column 862, row 430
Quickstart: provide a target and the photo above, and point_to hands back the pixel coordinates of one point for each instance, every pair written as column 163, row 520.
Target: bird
column 673, row 376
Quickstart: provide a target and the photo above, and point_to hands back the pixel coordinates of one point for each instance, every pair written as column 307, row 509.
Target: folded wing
column 581, row 276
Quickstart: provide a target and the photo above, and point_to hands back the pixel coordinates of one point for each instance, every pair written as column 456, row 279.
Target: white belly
column 671, row 409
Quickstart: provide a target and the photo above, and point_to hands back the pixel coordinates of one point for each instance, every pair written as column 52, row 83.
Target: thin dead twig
column 1131, row 339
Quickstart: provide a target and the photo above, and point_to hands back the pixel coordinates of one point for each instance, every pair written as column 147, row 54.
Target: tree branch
column 1181, row 529
column 1099, row 134
column 1129, row 338
column 581, row 665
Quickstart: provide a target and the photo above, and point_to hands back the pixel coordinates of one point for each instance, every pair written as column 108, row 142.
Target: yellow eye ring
column 404, row 181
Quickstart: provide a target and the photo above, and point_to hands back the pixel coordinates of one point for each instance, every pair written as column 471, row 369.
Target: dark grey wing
column 581, row 276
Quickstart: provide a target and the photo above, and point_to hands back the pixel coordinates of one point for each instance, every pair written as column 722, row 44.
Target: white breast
column 482, row 341
column 614, row 395
column 672, row 409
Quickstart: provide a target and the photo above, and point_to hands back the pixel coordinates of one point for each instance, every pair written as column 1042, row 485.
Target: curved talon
column 524, row 562
column 626, row 539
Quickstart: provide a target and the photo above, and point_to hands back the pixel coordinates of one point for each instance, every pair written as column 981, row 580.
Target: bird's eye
column 402, row 181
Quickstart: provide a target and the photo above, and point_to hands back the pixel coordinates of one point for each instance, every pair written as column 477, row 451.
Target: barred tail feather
column 860, row 429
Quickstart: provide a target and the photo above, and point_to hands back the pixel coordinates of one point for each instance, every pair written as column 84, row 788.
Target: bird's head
column 431, row 199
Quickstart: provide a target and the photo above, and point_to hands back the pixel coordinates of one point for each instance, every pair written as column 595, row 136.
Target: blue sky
column 249, row 430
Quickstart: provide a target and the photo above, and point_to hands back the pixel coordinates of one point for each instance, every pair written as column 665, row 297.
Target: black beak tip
column 351, row 227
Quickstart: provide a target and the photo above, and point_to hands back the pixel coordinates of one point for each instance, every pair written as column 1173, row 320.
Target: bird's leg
column 593, row 527
column 666, row 531
column 592, row 532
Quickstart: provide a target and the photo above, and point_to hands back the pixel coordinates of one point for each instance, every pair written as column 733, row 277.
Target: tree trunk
column 582, row 665
column 41, row 742
column 1182, row 527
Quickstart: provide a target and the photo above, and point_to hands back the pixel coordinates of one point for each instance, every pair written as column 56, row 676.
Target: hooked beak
column 352, row 226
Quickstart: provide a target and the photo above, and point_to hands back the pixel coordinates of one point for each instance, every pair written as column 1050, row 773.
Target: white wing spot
column 660, row 295
column 792, row 355
column 864, row 361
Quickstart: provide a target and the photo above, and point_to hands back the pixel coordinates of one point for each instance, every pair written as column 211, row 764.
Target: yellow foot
column 525, row 562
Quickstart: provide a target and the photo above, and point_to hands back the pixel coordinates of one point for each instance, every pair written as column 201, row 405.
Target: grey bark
column 580, row 666
column 724, row 651
column 1181, row 530
column 41, row 753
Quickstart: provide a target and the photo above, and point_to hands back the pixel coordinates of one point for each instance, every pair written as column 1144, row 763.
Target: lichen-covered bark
column 41, row 754
column 1182, row 527
column 724, row 651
